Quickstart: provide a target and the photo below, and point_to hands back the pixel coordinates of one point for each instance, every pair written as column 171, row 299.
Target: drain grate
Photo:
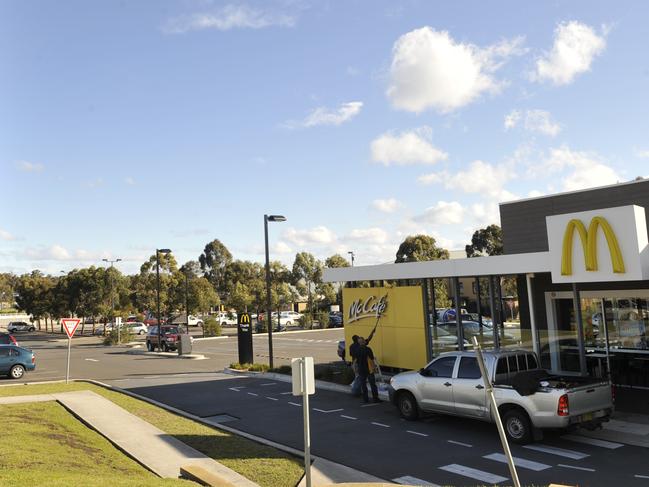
column 220, row 418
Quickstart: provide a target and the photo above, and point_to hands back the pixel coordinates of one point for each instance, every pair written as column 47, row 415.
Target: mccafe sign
column 369, row 307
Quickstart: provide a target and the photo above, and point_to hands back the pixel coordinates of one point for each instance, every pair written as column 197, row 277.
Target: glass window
column 531, row 362
column 502, row 366
column 469, row 368
column 4, row 352
column 513, row 364
column 522, row 363
column 442, row 367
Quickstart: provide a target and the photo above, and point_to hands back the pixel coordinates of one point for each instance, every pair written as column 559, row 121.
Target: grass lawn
column 259, row 463
column 46, row 445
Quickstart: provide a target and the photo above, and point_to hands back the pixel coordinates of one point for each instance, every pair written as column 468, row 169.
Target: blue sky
column 131, row 125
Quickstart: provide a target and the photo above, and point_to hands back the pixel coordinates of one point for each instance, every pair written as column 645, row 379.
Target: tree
column 192, row 268
column 335, row 261
column 201, row 295
column 33, row 294
column 7, row 285
column 171, row 286
column 213, row 261
column 416, row 248
column 486, row 241
column 307, row 272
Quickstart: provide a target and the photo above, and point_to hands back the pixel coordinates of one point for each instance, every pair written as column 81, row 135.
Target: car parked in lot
column 15, row 326
column 335, row 319
column 226, row 318
column 7, row 339
column 168, row 338
column 137, row 327
column 528, row 397
column 15, row 361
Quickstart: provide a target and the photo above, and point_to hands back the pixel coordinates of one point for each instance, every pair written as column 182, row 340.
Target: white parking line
column 380, row 424
column 272, row 398
column 235, row 389
column 330, row 411
column 252, row 394
column 638, row 476
column 519, row 462
column 295, row 404
column 577, row 468
column 416, row 433
column 285, row 393
column 369, row 405
column 460, row 443
column 573, row 455
column 268, row 384
column 347, row 417
column 593, row 441
column 92, row 360
column 409, row 480
column 474, row 473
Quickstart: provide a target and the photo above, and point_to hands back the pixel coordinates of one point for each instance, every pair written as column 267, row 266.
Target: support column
column 536, row 345
column 458, row 314
column 494, row 314
column 427, row 334
column 576, row 302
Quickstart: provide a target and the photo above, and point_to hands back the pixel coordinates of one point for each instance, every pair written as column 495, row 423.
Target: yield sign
column 70, row 325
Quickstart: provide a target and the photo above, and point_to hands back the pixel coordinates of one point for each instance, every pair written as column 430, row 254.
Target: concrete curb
column 204, row 339
column 319, row 384
column 280, row 333
column 193, row 356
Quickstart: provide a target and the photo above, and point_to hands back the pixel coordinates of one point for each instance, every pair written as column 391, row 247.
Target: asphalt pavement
column 373, row 438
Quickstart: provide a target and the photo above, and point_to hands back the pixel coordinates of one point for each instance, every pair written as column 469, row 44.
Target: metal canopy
column 472, row 267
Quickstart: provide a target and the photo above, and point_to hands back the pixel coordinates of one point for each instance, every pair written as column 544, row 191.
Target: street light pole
column 112, row 301
column 269, row 218
column 351, row 253
column 157, row 277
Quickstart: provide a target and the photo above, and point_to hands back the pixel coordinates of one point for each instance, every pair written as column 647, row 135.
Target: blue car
column 15, row 361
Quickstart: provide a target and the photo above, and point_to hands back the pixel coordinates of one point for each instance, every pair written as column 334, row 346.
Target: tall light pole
column 157, row 278
column 112, row 301
column 269, row 218
column 351, row 253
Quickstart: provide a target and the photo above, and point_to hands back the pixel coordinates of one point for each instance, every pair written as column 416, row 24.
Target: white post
column 307, row 432
column 496, row 413
column 67, row 370
column 530, row 300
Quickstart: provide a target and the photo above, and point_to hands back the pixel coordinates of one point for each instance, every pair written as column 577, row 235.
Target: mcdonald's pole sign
column 244, row 338
column 610, row 245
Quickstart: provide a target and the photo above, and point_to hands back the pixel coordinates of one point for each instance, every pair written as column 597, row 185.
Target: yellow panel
column 400, row 338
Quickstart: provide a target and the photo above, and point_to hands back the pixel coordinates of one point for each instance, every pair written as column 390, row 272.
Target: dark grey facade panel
column 523, row 222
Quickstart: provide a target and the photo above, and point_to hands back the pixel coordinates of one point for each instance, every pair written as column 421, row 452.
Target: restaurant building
column 581, row 264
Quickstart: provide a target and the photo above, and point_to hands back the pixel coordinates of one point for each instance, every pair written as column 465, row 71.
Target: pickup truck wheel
column 408, row 406
column 517, row 426
column 165, row 347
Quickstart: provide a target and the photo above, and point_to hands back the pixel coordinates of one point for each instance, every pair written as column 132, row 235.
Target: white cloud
column 27, row 166
column 130, row 181
column 389, row 205
column 443, row 213
column 575, row 47
column 539, row 121
column 94, row 183
column 405, row 148
column 325, row 116
column 486, row 213
column 431, row 70
column 373, row 235
column 232, row 16
column 281, row 248
column 586, row 170
column 4, row 235
column 54, row 252
column 512, row 119
column 316, row 235
column 480, row 177
column 642, row 153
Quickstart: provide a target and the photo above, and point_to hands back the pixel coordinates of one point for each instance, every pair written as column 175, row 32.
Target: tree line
column 213, row 279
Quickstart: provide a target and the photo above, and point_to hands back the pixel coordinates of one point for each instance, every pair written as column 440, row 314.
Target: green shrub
column 249, row 367
column 306, row 321
column 283, row 369
column 211, row 327
column 322, row 317
column 125, row 336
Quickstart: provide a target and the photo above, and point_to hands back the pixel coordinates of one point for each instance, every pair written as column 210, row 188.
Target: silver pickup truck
column 528, row 397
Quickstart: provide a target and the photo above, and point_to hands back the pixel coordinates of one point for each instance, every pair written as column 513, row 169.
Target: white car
column 287, row 318
column 15, row 326
column 225, row 318
column 136, row 327
column 194, row 321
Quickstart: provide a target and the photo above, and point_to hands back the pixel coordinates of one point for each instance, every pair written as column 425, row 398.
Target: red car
column 168, row 339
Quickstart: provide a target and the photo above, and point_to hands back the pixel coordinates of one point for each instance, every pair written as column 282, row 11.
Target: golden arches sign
column 244, row 319
column 589, row 245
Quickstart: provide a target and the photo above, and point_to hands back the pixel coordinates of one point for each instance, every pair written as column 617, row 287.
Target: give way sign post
column 70, row 326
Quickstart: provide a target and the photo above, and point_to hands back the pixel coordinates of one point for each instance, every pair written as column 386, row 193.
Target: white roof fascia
column 471, row 267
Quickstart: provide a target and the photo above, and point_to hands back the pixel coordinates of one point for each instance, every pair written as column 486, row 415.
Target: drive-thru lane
column 373, row 438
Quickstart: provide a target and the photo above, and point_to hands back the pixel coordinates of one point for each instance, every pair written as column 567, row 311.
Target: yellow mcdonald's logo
column 245, row 318
column 589, row 245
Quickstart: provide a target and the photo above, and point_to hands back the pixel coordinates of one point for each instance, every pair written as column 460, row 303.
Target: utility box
column 185, row 344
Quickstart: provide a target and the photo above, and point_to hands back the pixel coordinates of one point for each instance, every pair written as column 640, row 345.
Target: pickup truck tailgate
column 590, row 398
